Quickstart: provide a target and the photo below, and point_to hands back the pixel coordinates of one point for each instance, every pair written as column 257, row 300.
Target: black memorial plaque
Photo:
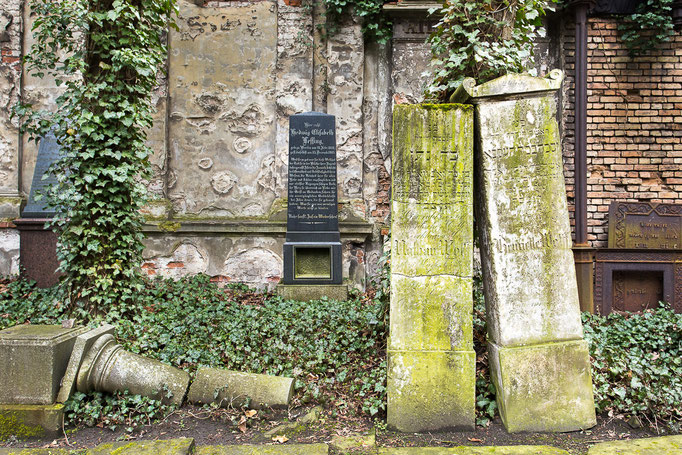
column 312, row 251
column 48, row 153
column 312, row 173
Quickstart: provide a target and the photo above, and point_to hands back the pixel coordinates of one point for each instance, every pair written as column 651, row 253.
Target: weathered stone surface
column 304, row 293
column 25, row 421
column 529, row 276
column 431, row 390
column 80, row 348
column 180, row 446
column 233, row 388
column 289, row 449
column 107, row 367
column 34, row 359
column 19, row 451
column 500, row 450
column 10, row 86
column 301, row 424
column 222, row 91
column 345, row 62
column 543, row 387
column 666, row 445
column 9, row 252
column 354, row 443
column 430, row 353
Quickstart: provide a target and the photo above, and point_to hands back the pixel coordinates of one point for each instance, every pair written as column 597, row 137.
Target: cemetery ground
column 336, row 353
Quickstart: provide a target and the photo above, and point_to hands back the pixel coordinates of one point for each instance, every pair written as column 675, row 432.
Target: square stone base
column 306, row 292
column 431, row 390
column 544, row 387
column 24, row 421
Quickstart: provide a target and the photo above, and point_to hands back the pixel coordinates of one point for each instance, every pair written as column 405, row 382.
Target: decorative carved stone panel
column 645, row 225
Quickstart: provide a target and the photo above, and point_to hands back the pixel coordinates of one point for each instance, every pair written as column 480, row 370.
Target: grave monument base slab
column 304, row 293
column 431, row 390
column 543, row 387
column 26, row 421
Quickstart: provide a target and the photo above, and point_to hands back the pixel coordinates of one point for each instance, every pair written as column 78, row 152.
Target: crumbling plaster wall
column 10, row 85
column 235, row 73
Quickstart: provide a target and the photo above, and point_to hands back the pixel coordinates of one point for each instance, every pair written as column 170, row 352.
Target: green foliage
column 112, row 411
column 376, row 26
column 483, row 39
column 191, row 322
column 486, row 406
column 637, row 364
column 105, row 54
column 649, row 26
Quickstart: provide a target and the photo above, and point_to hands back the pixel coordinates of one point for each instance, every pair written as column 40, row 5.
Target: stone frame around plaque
column 291, row 250
column 610, row 261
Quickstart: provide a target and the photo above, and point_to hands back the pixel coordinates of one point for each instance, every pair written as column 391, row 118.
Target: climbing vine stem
column 104, row 55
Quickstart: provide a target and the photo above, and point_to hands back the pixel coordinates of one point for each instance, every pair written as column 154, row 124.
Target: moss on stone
column 180, row 446
column 169, row 226
column 462, row 450
column 288, row 449
column 665, row 445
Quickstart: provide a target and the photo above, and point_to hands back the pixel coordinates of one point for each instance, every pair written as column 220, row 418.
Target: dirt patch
column 222, row 428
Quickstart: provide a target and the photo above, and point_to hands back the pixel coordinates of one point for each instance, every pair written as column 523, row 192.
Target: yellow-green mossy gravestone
column 539, row 360
column 431, row 360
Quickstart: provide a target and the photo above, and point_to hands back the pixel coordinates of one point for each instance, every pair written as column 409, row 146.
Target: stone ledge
column 306, row 292
column 464, row 450
column 25, row 421
column 258, row 227
column 665, row 445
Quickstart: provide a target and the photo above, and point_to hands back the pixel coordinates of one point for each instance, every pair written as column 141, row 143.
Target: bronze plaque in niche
column 634, row 280
column 636, row 290
column 645, row 225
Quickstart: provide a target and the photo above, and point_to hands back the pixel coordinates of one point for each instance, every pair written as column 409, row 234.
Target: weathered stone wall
column 10, row 79
column 236, row 71
column 634, row 132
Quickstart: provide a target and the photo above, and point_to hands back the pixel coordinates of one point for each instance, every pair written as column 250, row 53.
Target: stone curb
column 666, row 445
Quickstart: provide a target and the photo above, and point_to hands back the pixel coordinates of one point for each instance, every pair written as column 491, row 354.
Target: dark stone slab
column 38, row 251
column 48, row 153
column 645, row 225
column 312, row 202
column 312, row 250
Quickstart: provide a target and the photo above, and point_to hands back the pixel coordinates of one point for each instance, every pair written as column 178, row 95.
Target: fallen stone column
column 232, row 388
column 539, row 361
column 107, row 367
column 431, row 361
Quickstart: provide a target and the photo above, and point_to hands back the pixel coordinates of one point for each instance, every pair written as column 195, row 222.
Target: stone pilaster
column 431, row 361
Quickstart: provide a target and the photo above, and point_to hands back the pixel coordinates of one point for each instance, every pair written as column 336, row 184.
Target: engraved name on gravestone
column 312, row 250
column 48, row 153
column 645, row 225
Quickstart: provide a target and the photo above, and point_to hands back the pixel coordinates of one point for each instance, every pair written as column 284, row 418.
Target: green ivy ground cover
column 336, row 350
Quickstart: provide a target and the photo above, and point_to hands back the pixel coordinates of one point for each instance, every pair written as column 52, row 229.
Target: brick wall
column 634, row 123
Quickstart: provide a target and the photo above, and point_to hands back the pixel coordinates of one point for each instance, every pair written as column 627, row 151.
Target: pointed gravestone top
column 48, row 153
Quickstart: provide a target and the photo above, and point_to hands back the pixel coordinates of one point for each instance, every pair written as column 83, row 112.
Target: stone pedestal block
column 233, row 388
column 431, row 372
column 26, row 421
column 431, row 390
column 529, row 275
column 33, row 359
column 306, row 292
column 543, row 387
